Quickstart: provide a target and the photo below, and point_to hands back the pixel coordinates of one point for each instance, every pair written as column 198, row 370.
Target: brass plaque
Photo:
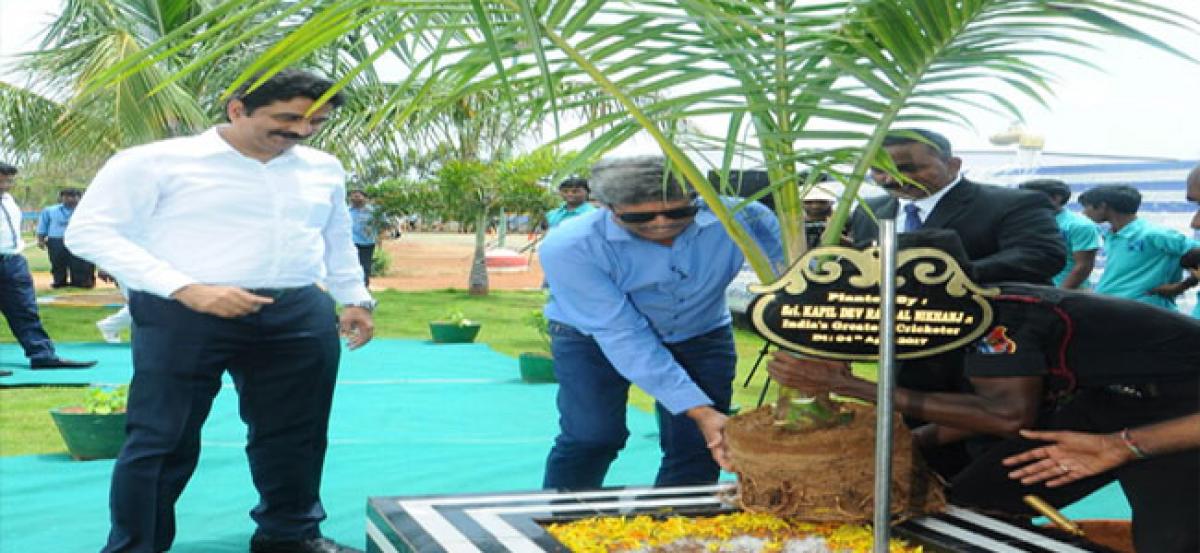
column 827, row 305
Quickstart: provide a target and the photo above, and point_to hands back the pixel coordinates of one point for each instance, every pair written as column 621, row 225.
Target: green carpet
column 409, row 418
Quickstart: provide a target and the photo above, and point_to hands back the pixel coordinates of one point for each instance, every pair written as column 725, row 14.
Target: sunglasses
column 647, row 216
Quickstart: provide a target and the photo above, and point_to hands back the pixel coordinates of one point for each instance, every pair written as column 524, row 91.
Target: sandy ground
column 420, row 261
column 432, row 261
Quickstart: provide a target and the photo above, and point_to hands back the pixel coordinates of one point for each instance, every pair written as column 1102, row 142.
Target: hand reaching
column 1072, row 456
column 712, row 424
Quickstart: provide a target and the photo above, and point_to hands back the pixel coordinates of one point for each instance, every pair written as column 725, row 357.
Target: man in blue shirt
column 67, row 269
column 637, row 296
column 1143, row 259
column 363, row 230
column 574, row 192
column 1080, row 234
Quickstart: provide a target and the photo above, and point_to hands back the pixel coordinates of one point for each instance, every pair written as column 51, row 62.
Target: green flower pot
column 537, row 367
column 88, row 435
column 453, row 333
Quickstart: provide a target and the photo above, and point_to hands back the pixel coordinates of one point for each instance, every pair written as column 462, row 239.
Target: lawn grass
column 26, row 428
column 25, row 424
column 38, row 260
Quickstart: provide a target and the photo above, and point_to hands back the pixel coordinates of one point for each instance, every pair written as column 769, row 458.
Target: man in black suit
column 1009, row 234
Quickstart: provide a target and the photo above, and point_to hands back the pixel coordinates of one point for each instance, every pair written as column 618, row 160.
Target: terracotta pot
column 537, row 367
column 88, row 435
column 453, row 333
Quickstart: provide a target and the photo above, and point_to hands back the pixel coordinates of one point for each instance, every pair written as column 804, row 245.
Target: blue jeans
column 592, row 399
column 18, row 303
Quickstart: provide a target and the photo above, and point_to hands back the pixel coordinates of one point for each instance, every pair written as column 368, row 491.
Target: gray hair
column 635, row 180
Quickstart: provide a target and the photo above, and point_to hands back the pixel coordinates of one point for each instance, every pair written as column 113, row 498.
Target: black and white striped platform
column 513, row 522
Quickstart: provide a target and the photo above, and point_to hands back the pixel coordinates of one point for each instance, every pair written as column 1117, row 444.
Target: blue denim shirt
column 632, row 295
column 362, row 229
column 52, row 223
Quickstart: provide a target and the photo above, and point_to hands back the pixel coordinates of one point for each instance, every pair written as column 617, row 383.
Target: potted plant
column 95, row 429
column 538, row 366
column 455, row 328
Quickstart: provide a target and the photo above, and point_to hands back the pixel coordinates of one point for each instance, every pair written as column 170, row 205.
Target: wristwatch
column 369, row 305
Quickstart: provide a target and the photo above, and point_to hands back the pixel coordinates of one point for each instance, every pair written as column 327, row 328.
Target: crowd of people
column 1090, row 387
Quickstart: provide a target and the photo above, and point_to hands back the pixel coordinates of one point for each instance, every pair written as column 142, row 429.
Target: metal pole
column 886, row 383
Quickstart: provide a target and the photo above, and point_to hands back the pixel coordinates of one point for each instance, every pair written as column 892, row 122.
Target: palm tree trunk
column 478, row 281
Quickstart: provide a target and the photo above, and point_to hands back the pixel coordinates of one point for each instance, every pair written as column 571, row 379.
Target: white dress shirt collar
column 928, row 203
column 211, row 142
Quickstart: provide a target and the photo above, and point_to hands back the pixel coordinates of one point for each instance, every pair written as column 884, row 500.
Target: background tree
column 475, row 193
column 56, row 119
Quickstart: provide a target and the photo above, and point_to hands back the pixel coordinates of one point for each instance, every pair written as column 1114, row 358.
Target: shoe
column 263, row 544
column 111, row 336
column 59, row 363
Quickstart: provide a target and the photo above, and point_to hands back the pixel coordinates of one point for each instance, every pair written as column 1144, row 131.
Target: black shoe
column 263, row 544
column 59, row 363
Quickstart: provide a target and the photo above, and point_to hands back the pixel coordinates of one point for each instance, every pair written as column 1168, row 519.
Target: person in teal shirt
column 1143, row 258
column 1193, row 195
column 574, row 192
column 1079, row 233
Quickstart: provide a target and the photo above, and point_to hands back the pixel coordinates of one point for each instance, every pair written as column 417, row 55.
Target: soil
column 1113, row 534
column 420, row 261
column 826, row 475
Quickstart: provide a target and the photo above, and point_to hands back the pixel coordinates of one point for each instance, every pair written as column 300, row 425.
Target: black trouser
column 1163, row 491
column 68, row 270
column 365, row 256
column 283, row 361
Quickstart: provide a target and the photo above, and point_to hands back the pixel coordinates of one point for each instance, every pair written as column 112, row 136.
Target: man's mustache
column 290, row 135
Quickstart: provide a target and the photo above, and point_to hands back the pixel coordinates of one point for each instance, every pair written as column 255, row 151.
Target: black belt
column 276, row 293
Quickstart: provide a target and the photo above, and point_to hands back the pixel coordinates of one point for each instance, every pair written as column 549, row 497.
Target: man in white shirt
column 18, row 301
column 221, row 238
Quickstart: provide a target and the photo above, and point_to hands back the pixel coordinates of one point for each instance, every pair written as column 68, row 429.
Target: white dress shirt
column 195, row 210
column 10, row 238
column 926, row 205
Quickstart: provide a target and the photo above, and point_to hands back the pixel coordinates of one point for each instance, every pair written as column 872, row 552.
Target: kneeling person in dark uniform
column 1059, row 360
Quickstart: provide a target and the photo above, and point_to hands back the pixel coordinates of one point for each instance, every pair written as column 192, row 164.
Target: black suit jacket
column 1009, row 234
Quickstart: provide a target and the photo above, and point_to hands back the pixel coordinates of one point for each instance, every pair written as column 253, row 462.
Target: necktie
column 912, row 218
column 8, row 219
